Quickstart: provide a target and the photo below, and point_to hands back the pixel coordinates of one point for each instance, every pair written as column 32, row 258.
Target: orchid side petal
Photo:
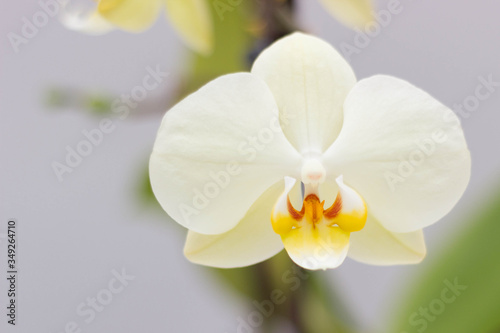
column 376, row 245
column 251, row 241
column 217, row 151
column 403, row 151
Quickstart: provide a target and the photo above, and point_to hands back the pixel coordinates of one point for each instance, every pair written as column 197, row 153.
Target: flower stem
column 296, row 315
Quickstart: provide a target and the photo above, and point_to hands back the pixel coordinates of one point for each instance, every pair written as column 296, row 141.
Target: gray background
column 72, row 234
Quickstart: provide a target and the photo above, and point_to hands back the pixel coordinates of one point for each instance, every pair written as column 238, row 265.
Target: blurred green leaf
column 98, row 104
column 240, row 280
column 308, row 302
column 255, row 281
column 144, row 191
column 56, row 98
column 324, row 310
column 95, row 103
column 460, row 292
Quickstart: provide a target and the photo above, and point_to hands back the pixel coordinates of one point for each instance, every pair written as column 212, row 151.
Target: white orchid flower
column 190, row 18
column 379, row 160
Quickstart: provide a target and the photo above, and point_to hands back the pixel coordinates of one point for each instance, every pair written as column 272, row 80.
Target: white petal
column 309, row 80
column 295, row 195
column 217, row 151
column 193, row 22
column 282, row 202
column 376, row 245
column 89, row 22
column 251, row 241
column 352, row 13
column 402, row 151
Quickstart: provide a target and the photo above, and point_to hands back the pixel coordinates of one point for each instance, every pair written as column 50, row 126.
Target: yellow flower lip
column 312, row 209
column 313, row 212
column 316, row 237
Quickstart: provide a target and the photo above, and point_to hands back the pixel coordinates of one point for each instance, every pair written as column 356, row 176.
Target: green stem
column 297, row 301
column 337, row 317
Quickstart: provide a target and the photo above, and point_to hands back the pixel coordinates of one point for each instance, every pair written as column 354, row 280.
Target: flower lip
column 314, row 209
column 348, row 211
column 309, row 233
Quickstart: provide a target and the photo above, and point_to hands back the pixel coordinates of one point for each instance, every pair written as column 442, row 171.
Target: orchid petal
column 309, row 80
column 403, row 151
column 251, row 241
column 130, row 15
column 193, row 22
column 217, row 151
column 376, row 245
column 352, row 13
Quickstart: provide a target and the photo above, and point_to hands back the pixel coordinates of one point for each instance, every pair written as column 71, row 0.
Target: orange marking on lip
column 313, row 209
column 295, row 214
column 335, row 208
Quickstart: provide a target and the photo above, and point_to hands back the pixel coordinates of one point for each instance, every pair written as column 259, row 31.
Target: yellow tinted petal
column 309, row 80
column 376, row 245
column 352, row 13
column 200, row 172
column 130, row 15
column 250, row 242
column 403, row 150
column 193, row 22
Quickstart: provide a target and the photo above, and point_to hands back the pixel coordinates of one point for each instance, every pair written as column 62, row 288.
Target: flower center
column 314, row 213
column 313, row 172
column 316, row 230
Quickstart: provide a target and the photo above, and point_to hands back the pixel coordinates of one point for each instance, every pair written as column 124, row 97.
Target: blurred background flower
column 190, row 18
column 352, row 13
